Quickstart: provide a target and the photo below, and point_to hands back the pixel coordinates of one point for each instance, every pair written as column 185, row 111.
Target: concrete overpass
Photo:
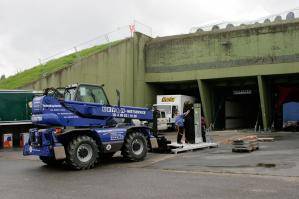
column 249, row 60
column 245, row 52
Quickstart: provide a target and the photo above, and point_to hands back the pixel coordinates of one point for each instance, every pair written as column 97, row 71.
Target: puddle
column 266, row 165
column 229, row 166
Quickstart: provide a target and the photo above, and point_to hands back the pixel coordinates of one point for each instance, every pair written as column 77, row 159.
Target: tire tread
column 127, row 147
column 71, row 153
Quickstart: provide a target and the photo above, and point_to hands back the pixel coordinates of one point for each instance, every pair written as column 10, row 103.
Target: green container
column 14, row 105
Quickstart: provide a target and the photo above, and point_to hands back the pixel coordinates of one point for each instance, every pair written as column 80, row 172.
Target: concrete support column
column 264, row 100
column 206, row 100
column 143, row 94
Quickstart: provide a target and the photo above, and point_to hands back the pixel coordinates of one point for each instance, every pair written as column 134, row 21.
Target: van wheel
column 82, row 153
column 135, row 147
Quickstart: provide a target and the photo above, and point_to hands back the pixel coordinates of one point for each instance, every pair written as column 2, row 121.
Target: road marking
column 152, row 160
column 227, row 173
column 264, row 190
column 162, row 158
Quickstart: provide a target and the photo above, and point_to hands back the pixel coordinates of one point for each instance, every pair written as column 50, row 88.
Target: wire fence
column 286, row 15
column 126, row 31
column 119, row 33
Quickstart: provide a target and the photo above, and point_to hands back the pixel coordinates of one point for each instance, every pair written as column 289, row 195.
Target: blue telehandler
column 78, row 126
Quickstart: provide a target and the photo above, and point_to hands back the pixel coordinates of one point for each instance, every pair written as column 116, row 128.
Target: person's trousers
column 180, row 134
column 203, row 134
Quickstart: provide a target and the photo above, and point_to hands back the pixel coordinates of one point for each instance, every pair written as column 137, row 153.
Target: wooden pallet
column 178, row 148
column 245, row 144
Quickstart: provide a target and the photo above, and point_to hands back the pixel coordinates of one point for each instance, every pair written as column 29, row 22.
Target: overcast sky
column 33, row 29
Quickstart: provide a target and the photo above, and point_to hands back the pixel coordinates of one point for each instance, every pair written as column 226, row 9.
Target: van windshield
column 164, row 108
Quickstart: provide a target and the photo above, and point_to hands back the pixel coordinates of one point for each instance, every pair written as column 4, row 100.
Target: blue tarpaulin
column 291, row 111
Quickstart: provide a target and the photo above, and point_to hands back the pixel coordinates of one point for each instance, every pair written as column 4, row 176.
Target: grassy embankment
column 37, row 72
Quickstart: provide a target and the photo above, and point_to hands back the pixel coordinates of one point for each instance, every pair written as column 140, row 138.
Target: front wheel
column 135, row 147
column 82, row 153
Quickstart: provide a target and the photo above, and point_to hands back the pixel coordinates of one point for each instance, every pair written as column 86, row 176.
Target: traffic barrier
column 7, row 141
column 24, row 137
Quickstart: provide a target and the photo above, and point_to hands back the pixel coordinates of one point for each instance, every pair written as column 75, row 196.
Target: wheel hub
column 137, row 147
column 84, row 152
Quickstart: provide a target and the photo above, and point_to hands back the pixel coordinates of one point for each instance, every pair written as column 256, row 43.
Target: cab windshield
column 93, row 94
column 86, row 93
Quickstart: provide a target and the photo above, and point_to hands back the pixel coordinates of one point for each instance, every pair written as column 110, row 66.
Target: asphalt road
column 215, row 173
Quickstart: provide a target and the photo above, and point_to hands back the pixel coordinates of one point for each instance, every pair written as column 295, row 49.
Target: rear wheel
column 135, row 147
column 82, row 153
column 51, row 161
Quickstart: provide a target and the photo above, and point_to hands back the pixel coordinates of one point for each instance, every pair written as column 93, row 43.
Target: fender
column 112, row 139
column 143, row 129
column 151, row 139
column 108, row 139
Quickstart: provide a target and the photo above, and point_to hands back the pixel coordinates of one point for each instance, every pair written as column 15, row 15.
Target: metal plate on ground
column 177, row 148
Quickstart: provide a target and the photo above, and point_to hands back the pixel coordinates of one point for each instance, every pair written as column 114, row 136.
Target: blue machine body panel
column 42, row 142
column 290, row 111
column 51, row 112
column 48, row 110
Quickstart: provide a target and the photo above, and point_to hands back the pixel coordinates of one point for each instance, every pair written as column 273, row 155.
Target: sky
column 35, row 29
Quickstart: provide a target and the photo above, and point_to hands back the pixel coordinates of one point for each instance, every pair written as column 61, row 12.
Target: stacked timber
column 248, row 143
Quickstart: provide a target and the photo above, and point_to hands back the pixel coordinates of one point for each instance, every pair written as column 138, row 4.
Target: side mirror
column 118, row 97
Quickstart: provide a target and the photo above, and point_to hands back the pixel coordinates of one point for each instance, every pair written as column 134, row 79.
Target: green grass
column 35, row 73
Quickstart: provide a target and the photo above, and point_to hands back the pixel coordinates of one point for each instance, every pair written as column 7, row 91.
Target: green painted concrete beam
column 242, row 71
column 206, row 100
column 264, row 101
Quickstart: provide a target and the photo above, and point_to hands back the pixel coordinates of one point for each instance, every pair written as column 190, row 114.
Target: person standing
column 189, row 123
column 179, row 122
column 203, row 129
column 156, row 113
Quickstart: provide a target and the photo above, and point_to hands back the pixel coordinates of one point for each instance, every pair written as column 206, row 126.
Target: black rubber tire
column 51, row 161
column 127, row 150
column 71, row 154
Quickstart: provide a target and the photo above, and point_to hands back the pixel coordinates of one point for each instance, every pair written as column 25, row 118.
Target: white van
column 169, row 104
column 162, row 121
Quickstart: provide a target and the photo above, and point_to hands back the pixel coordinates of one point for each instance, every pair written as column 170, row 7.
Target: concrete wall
column 246, row 51
column 122, row 66
column 112, row 67
column 262, row 44
column 144, row 94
